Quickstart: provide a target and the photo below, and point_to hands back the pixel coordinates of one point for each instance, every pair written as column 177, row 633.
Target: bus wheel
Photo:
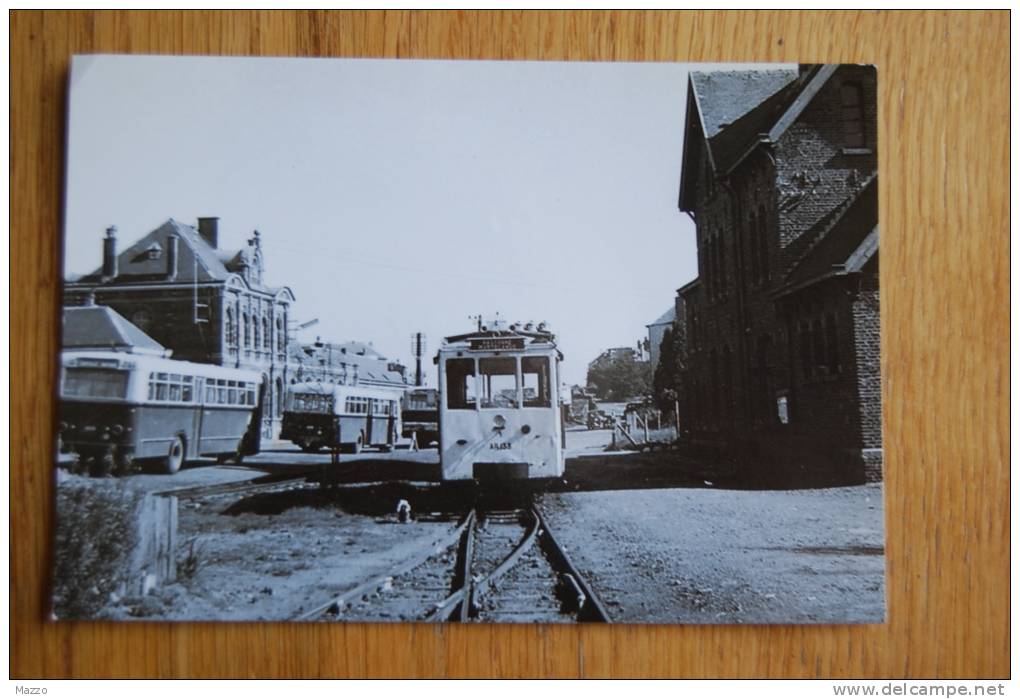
column 101, row 466
column 174, row 457
column 124, row 465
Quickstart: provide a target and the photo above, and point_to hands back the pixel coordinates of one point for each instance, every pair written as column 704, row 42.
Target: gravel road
column 729, row 556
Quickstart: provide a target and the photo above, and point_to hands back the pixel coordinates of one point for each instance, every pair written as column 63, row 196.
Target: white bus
column 499, row 412
column 345, row 418
column 119, row 411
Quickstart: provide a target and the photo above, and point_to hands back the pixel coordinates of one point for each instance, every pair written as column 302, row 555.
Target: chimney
column 110, row 254
column 171, row 257
column 208, row 228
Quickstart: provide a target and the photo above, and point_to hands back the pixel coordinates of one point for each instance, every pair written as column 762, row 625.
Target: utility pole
column 418, row 350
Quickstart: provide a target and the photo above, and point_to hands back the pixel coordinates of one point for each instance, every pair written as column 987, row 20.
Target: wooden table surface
column 944, row 160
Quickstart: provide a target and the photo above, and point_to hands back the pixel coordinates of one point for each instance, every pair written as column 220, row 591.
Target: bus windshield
column 94, row 383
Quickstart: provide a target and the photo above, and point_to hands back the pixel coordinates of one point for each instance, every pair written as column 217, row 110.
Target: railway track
column 494, row 566
column 251, row 485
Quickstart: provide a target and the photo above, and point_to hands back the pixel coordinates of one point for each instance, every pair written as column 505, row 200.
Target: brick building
column 779, row 358
column 203, row 303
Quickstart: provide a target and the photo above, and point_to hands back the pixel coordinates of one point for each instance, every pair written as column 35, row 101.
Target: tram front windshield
column 495, row 385
column 498, row 382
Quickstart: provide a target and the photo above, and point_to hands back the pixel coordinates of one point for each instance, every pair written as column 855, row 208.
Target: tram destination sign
column 498, row 343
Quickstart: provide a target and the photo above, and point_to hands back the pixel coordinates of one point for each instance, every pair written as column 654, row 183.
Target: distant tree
column 664, row 380
column 619, row 378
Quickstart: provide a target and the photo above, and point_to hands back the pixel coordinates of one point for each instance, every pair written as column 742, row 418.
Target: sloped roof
column 666, row 318
column 723, row 97
column 101, row 327
column 730, row 112
column 847, row 243
column 197, row 260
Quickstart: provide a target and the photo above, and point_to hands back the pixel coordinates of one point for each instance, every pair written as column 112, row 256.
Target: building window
column 247, row 329
column 763, row 245
column 818, row 342
column 805, row 348
column 231, row 327
column 853, row 115
column 832, row 344
column 267, row 341
column 752, row 244
column 280, row 336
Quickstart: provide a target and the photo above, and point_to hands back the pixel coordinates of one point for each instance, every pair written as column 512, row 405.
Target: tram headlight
column 117, row 430
column 499, row 422
column 525, row 429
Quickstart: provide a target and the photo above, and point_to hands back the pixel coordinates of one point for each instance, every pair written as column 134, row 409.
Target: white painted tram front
column 499, row 412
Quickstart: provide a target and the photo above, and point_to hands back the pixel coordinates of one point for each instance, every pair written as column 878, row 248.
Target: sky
column 394, row 197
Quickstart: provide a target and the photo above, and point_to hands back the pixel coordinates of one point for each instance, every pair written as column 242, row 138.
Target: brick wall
column 742, row 347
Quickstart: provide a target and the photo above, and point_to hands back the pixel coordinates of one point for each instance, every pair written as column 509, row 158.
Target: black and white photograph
column 351, row 340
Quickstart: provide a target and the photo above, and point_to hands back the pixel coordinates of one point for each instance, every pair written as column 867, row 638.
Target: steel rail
column 376, row 583
column 591, row 607
column 251, row 484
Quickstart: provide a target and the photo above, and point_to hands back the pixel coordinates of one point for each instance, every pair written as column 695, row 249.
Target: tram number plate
column 499, row 446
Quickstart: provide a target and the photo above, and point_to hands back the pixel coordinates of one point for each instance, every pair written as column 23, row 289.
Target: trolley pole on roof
column 418, row 350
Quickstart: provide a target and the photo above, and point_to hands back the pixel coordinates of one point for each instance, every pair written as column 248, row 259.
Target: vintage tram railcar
column 340, row 417
column 499, row 410
column 119, row 411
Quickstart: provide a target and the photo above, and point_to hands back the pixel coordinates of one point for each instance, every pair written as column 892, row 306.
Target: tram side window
column 498, row 382
column 460, row 384
column 535, row 378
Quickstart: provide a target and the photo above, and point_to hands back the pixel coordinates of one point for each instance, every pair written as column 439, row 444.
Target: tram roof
column 529, row 337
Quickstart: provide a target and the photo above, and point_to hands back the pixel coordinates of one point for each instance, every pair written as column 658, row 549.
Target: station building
column 778, row 336
column 204, row 303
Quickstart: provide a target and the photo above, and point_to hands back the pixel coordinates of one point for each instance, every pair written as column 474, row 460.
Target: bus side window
column 186, row 388
column 535, row 376
column 460, row 384
column 210, row 391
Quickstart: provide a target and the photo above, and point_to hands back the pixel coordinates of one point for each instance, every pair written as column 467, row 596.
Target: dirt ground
column 728, row 556
column 237, row 565
column 658, row 542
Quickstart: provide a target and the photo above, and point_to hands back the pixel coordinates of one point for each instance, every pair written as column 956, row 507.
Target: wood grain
column 944, row 91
